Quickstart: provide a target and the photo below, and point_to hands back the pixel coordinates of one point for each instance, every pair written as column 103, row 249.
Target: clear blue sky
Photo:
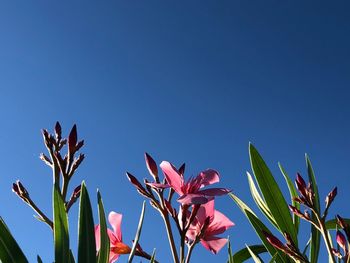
column 187, row 82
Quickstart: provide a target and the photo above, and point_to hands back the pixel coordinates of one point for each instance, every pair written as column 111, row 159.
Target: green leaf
column 229, row 251
column 39, row 259
column 86, row 230
column 272, row 260
column 244, row 254
column 315, row 234
column 61, row 233
column 253, row 255
column 293, row 193
column 272, row 194
column 258, row 226
column 9, row 249
column 103, row 256
column 153, row 257
column 138, row 233
column 332, row 224
column 71, row 257
column 259, row 201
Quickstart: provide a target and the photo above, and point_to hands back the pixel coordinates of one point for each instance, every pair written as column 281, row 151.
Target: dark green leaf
column 258, row 226
column 229, row 250
column 86, row 229
column 253, row 255
column 272, row 194
column 332, row 224
column 244, row 254
column 61, row 233
column 293, row 193
column 39, row 259
column 273, row 259
column 315, row 234
column 138, row 233
column 259, row 201
column 103, row 256
column 9, row 249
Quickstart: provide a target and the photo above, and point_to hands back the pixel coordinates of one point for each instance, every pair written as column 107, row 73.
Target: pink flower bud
column 72, row 140
column 341, row 240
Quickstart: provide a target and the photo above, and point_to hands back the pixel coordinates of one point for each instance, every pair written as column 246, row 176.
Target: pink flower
column 190, row 192
column 207, row 224
column 117, row 246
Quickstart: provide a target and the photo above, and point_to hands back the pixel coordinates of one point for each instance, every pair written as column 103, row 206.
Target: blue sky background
column 187, row 82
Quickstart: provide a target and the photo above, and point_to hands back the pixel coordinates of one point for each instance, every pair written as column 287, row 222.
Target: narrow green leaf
column 293, row 193
column 71, row 257
column 259, row 201
column 138, row 233
column 39, row 259
column 9, row 249
column 61, row 232
column 273, row 259
column 258, row 226
column 332, row 224
column 244, row 254
column 153, row 257
column 103, row 256
column 315, row 234
column 272, row 194
column 253, row 255
column 229, row 251
column 307, row 246
column 86, row 230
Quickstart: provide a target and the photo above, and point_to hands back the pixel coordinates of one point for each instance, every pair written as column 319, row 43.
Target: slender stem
column 65, row 183
column 325, row 236
column 39, row 212
column 170, row 236
column 189, row 252
column 182, row 248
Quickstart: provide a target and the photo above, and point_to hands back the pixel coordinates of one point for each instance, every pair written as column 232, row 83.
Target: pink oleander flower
column 117, row 247
column 190, row 192
column 207, row 224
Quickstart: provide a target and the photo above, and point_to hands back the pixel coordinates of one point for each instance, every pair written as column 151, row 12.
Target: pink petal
column 172, row 176
column 193, row 199
column 214, row 191
column 219, row 224
column 214, row 244
column 209, row 176
column 97, row 237
column 113, row 256
column 206, row 210
column 115, row 220
column 112, row 238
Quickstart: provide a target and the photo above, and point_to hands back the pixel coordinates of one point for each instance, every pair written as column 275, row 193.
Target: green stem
column 170, row 236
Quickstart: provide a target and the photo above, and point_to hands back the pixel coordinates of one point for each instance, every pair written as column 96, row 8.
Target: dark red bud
column 274, row 241
column 341, row 240
column 137, row 184
column 72, row 140
column 169, row 208
column 330, row 197
column 182, row 169
column 15, row 189
column 76, row 192
column 301, row 185
column 341, row 222
column 152, row 167
column 79, row 145
column 58, row 131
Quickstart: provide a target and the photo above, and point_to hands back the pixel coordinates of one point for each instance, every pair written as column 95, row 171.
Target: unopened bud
column 330, row 197
column 182, row 169
column 152, row 167
column 341, row 240
column 137, row 184
column 58, row 131
column 45, row 159
column 72, row 140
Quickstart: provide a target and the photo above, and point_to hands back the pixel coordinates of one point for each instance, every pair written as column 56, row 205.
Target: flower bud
column 330, row 197
column 341, row 240
column 58, row 131
column 152, row 167
column 72, row 140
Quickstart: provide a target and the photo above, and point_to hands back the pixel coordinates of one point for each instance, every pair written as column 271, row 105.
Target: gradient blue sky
column 187, row 82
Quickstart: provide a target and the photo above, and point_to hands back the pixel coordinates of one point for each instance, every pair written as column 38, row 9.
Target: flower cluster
column 196, row 218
